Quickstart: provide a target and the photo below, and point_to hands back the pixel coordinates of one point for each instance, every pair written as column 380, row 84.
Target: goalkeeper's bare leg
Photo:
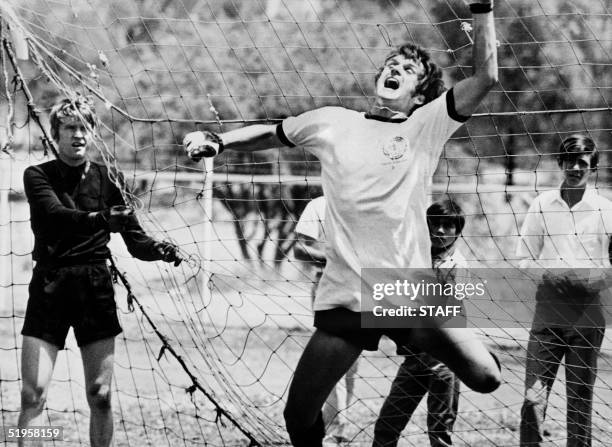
column 98, row 360
column 327, row 357
column 37, row 361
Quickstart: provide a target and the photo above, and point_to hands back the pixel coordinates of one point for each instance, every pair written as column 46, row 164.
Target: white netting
column 208, row 353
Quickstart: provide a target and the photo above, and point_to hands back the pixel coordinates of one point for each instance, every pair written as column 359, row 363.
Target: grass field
column 242, row 341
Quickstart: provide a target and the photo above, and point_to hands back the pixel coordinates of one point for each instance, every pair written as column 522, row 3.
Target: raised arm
column 469, row 92
column 250, row 138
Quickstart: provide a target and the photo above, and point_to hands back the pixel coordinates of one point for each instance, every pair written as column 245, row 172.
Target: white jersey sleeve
column 311, row 222
column 439, row 120
column 311, row 130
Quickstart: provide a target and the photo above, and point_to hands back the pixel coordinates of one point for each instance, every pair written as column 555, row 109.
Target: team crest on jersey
column 395, row 148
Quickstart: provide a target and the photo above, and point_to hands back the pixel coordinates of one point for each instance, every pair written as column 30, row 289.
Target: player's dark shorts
column 346, row 324
column 79, row 296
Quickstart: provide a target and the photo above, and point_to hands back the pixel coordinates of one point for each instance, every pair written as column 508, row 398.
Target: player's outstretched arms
column 251, row 138
column 469, row 92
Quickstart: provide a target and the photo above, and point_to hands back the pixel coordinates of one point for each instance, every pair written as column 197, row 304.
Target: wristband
column 216, row 139
column 481, row 8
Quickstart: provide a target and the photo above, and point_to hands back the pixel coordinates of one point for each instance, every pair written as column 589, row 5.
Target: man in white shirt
column 376, row 171
column 310, row 232
column 419, row 373
column 310, row 248
column 564, row 230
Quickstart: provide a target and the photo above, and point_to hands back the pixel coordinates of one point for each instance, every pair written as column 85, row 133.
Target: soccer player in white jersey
column 565, row 229
column 310, row 248
column 419, row 373
column 376, row 171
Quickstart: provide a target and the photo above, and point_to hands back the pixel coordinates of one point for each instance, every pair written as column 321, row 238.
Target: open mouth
column 392, row 83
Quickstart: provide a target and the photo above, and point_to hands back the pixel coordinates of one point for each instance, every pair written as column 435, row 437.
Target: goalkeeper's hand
column 168, row 252
column 114, row 219
column 202, row 144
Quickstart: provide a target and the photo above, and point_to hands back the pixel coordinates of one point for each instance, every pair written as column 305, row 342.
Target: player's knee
column 32, row 397
column 489, row 378
column 300, row 432
column 99, row 396
column 488, row 383
column 292, row 419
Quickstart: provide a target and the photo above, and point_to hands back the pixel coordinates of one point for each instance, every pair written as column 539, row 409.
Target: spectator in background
column 566, row 232
column 420, row 373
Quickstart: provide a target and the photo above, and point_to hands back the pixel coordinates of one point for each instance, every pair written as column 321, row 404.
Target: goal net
column 209, row 348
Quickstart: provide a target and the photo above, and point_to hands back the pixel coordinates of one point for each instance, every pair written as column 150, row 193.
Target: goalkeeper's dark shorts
column 346, row 324
column 80, row 296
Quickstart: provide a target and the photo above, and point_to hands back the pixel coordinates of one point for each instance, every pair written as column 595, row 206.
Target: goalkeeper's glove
column 114, row 219
column 202, row 144
column 168, row 252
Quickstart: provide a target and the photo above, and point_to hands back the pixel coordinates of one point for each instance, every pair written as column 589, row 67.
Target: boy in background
column 420, row 373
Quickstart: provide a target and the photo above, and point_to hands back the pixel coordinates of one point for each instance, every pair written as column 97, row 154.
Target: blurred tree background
column 264, row 60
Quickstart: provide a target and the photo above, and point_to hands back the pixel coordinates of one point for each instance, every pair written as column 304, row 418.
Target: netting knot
column 191, row 390
column 6, row 147
column 130, row 302
column 218, row 419
column 45, row 144
column 161, row 352
column 33, row 110
column 103, row 59
column 17, row 83
column 466, row 27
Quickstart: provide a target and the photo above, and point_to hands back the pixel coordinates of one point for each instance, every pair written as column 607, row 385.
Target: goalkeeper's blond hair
column 69, row 109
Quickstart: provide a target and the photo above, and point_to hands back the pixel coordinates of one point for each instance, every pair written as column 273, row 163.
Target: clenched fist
column 202, row 144
column 168, row 252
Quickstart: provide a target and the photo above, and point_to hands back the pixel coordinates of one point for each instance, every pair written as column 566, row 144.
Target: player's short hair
column 576, row 145
column 432, row 84
column 79, row 108
column 446, row 209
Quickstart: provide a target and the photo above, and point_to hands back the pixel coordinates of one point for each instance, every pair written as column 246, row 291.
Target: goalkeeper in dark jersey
column 74, row 206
